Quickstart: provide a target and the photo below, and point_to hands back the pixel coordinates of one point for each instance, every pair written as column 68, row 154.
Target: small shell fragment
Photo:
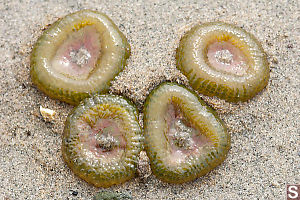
column 47, row 114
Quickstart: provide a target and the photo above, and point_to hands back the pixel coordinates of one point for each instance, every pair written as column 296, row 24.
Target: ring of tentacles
column 184, row 138
column 223, row 60
column 102, row 140
column 78, row 55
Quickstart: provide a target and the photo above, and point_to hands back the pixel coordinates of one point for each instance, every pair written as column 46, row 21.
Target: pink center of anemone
column 184, row 139
column 78, row 54
column 225, row 57
column 104, row 138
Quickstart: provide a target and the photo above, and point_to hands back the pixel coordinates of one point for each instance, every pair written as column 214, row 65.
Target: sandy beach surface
column 265, row 131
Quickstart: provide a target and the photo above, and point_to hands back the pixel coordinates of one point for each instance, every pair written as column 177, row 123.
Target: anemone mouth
column 183, row 137
column 102, row 133
column 226, row 53
column 226, row 57
column 104, row 139
column 77, row 56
